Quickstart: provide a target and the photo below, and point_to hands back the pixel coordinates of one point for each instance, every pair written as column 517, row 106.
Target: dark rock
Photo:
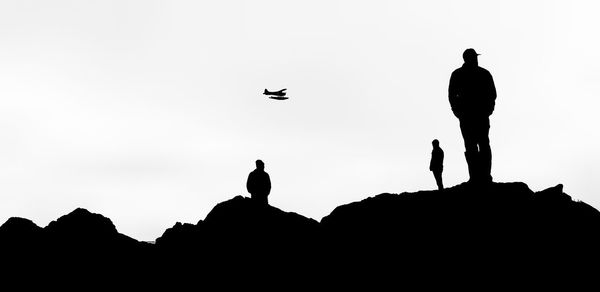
column 81, row 224
column 474, row 230
column 90, row 241
column 20, row 234
column 181, row 236
column 16, row 227
column 243, row 215
column 241, row 231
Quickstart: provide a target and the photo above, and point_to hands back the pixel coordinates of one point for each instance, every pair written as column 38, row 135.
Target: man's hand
column 456, row 113
column 490, row 109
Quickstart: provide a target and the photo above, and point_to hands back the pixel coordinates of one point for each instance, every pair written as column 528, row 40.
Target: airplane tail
column 266, row 91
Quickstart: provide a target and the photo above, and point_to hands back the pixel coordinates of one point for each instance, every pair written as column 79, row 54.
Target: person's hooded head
column 260, row 165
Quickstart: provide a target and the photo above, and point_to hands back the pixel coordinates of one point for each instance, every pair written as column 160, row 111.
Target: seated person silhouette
column 259, row 184
column 437, row 163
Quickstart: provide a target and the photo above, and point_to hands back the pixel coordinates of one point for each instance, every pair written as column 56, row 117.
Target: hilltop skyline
column 157, row 108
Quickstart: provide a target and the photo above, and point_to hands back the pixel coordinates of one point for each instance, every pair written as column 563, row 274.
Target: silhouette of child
column 259, row 184
column 437, row 163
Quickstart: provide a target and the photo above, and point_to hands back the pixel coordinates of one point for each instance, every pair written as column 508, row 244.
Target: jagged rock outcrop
column 241, row 220
column 82, row 223
column 243, row 232
column 464, row 230
column 20, row 237
column 242, row 216
column 181, row 235
column 487, row 229
column 16, row 228
column 81, row 245
column 81, row 231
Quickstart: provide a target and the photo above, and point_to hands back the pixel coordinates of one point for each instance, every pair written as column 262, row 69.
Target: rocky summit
column 476, row 230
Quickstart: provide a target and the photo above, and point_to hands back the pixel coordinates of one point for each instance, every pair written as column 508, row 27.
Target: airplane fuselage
column 277, row 93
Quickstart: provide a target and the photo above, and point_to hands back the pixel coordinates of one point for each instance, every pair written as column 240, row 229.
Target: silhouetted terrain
column 501, row 231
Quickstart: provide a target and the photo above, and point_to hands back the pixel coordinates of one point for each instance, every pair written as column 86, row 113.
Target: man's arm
column 453, row 94
column 249, row 184
column 268, row 184
column 431, row 161
column 491, row 94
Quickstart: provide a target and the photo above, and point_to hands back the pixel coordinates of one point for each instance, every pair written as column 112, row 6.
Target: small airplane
column 278, row 95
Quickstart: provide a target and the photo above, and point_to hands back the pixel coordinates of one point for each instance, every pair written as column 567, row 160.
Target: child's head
column 435, row 143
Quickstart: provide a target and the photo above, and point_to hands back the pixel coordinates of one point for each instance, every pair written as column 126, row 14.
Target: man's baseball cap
column 470, row 52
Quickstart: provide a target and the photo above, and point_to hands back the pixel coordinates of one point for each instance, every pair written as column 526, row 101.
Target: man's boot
column 473, row 164
column 485, row 159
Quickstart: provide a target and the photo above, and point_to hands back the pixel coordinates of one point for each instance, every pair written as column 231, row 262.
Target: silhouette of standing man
column 259, row 184
column 472, row 96
column 437, row 163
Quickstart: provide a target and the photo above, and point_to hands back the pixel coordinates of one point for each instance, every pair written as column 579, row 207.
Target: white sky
column 151, row 112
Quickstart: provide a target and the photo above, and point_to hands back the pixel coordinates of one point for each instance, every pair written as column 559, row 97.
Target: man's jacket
column 259, row 183
column 437, row 160
column 472, row 92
